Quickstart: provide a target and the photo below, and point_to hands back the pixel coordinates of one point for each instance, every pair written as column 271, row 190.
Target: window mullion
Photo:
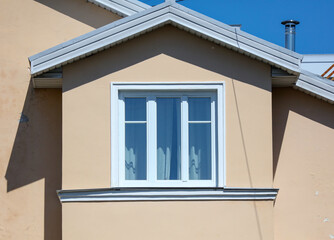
column 184, row 139
column 152, row 139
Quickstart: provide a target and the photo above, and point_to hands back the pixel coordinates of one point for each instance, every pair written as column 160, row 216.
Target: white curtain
column 168, row 139
column 130, row 164
column 135, row 151
column 199, row 151
column 194, row 164
column 135, row 139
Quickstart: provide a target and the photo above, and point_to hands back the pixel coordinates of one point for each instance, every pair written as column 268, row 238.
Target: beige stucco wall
column 195, row 220
column 166, row 55
column 30, row 150
column 303, row 128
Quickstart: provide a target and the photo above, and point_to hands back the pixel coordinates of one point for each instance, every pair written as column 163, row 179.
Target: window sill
column 175, row 194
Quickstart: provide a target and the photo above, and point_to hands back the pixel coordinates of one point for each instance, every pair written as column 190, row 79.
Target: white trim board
column 131, row 194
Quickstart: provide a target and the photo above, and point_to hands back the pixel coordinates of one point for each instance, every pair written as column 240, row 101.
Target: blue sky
column 262, row 18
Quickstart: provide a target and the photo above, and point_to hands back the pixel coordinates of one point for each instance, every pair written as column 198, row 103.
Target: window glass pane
column 199, row 151
column 135, row 109
column 168, row 138
column 135, row 151
column 199, row 109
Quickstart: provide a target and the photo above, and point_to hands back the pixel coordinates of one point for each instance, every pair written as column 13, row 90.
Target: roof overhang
column 50, row 79
column 316, row 86
column 287, row 62
column 166, row 13
column 305, row 81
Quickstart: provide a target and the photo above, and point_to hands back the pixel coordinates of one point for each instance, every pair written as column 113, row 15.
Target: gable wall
column 167, row 55
column 30, row 146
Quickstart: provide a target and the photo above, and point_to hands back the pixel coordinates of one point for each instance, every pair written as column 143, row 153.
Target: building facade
column 157, row 123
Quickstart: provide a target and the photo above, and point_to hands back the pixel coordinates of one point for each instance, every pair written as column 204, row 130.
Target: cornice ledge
column 166, row 194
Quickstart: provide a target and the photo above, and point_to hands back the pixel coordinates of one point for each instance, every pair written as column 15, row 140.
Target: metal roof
column 123, row 8
column 172, row 13
column 316, row 85
column 165, row 13
column 317, row 63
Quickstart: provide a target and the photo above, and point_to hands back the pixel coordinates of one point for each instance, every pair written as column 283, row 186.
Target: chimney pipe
column 290, row 33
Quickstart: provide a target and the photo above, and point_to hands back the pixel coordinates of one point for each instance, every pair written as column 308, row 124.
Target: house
column 157, row 123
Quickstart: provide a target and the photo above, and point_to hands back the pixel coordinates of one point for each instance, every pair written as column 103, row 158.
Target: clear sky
column 262, row 18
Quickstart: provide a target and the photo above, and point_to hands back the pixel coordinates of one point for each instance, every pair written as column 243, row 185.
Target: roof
column 317, row 63
column 123, row 8
column 170, row 12
column 166, row 13
column 316, row 85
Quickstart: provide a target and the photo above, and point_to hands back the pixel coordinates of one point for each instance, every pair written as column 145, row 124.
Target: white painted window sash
column 118, row 91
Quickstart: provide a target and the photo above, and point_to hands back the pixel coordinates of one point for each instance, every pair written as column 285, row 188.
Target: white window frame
column 215, row 90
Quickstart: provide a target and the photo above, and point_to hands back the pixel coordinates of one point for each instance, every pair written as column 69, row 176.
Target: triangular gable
column 196, row 23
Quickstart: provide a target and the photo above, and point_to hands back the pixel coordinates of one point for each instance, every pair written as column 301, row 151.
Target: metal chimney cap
column 290, row 21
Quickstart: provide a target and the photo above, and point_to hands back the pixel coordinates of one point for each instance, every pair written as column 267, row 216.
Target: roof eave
column 316, row 86
column 154, row 17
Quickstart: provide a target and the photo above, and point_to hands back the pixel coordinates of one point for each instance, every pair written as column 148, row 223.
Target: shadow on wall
column 175, row 43
column 178, row 45
column 36, row 153
column 288, row 99
column 83, row 11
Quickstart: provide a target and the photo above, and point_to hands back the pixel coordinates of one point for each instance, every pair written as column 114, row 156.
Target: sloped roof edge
column 123, row 8
column 165, row 13
column 316, row 85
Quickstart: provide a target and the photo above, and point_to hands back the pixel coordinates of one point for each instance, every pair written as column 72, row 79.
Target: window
column 167, row 135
